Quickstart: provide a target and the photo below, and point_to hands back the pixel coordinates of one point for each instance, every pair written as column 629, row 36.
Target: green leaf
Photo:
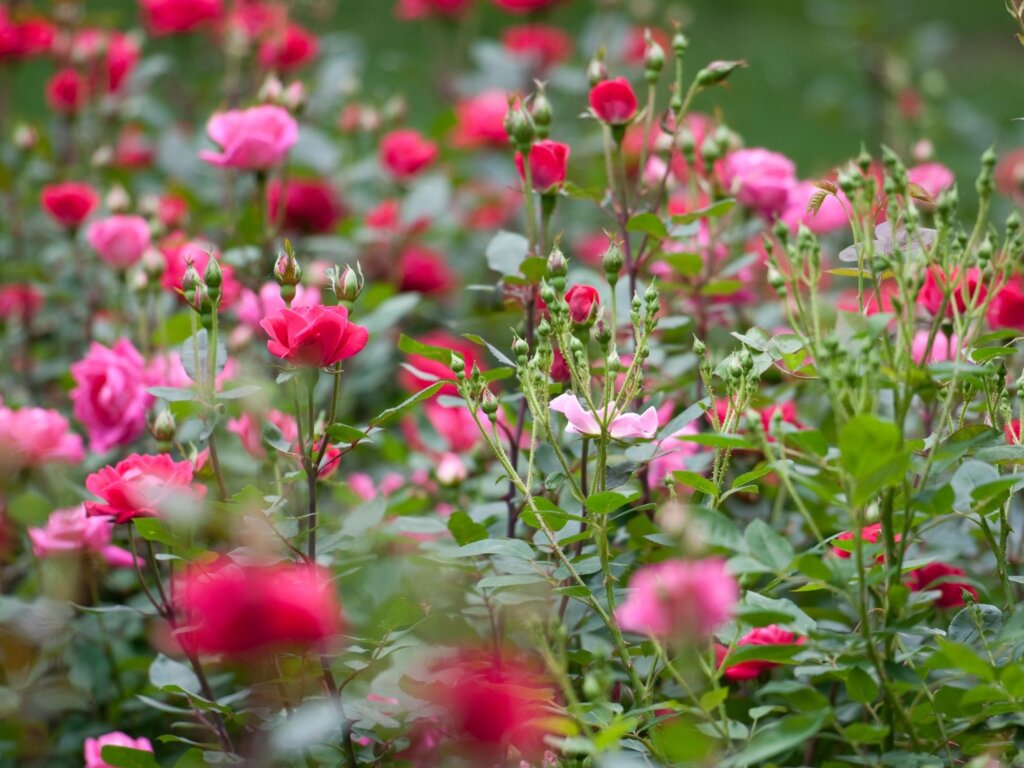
column 239, row 392
column 686, row 264
column 464, row 529
column 648, row 224
column 687, row 417
column 553, row 516
column 871, row 454
column 165, row 672
column 965, row 658
column 779, row 654
column 969, row 476
column 973, row 621
column 769, row 547
column 865, row 733
column 343, row 433
column 401, row 613
column 155, row 529
column 506, row 252
column 125, row 757
column 719, row 208
column 749, row 477
column 721, row 288
column 698, row 482
column 719, row 440
column 711, row 699
column 506, row 547
column 188, row 351
column 606, row 502
column 778, row 737
column 498, row 354
column 172, row 394
column 411, row 346
column 423, row 394
column 861, row 686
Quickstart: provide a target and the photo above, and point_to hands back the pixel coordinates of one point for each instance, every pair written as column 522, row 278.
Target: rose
column 747, row 670
column 253, row 139
column 1007, row 307
column 32, row 437
column 583, row 301
column 110, row 397
column 523, row 6
column 404, row 153
column 243, row 610
column 141, row 485
column 933, row 178
column 69, row 203
column 119, row 240
column 314, row 336
column 72, row 531
column 67, row 91
column 423, row 270
column 409, row 10
column 169, row 17
column 960, row 287
column 548, row 162
column 311, row 206
column 830, row 216
column 290, row 50
column 543, row 44
column 24, row 38
column 613, row 101
column 480, row 120
column 94, row 747
column 436, row 369
column 759, row 178
column 936, row 576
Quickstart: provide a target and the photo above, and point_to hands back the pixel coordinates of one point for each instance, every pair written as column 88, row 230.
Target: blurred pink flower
column 672, row 455
column 249, row 429
column 94, row 747
column 32, row 437
column 141, row 486
column 480, row 120
column 933, row 178
column 72, row 531
column 831, row 216
column 110, row 397
column 253, row 307
column 621, row 427
column 759, row 178
column 251, row 139
column 405, row 152
column 679, row 599
column 943, row 348
column 119, row 240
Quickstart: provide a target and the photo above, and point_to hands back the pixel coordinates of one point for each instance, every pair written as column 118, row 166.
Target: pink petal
column 581, row 420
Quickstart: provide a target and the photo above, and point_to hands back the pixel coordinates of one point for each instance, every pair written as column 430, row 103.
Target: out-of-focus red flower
column 313, row 336
column 887, row 289
column 961, row 287
column 23, row 38
column 67, row 91
column 170, row 17
column 405, row 152
column 288, row 50
column 1007, row 307
column 1012, row 432
column 133, row 150
column 439, row 370
column 542, row 43
column 1009, row 174
column 492, row 702
column 523, row 6
column 241, row 611
column 141, row 485
column 69, row 203
column 770, row 635
column 480, row 120
column 933, row 178
column 249, row 429
column 110, row 55
column 869, row 533
column 310, row 205
column 636, row 44
column 424, row 270
column 19, row 301
column 410, row 10
column 613, row 101
column 172, row 211
column 936, row 576
column 549, row 161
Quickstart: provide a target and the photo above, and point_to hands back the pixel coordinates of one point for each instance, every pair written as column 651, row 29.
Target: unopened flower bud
column 349, row 283
column 489, row 404
column 189, row 283
column 457, row 365
column 540, row 110
column 25, row 137
column 679, row 43
column 271, row 90
column 519, row 127
column 698, row 347
column 287, row 271
column 164, row 427
column 612, row 262
column 654, row 59
column 717, row 72
column 153, row 263
column 547, row 294
column 214, row 278
column 451, row 470
column 557, row 265
column 117, row 200
column 521, row 349
column 294, row 97
column 596, row 70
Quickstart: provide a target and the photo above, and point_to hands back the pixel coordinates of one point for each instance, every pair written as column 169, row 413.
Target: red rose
column 548, row 161
column 613, row 101
column 169, row 17
column 480, row 120
column 583, row 302
column 423, row 270
column 409, row 10
column 24, row 39
column 404, row 153
column 544, row 44
column 141, row 486
column 70, row 203
column 1012, row 432
column 1009, row 174
column 770, row 635
column 241, row 610
column 935, row 576
column 961, row 290
column 869, row 533
column 67, row 91
column 289, row 50
column 19, row 301
column 313, row 336
column 523, row 6
column 1007, row 307
column 310, row 205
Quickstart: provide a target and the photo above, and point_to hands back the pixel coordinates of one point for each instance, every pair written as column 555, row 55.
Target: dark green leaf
column 719, row 208
column 464, row 529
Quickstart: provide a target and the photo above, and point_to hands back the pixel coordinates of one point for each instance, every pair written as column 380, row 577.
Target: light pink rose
column 252, row 139
column 831, row 216
column 759, row 178
column 110, row 397
column 254, row 307
column 72, row 531
column 94, row 747
column 943, row 348
column 933, row 178
column 250, row 430
column 672, row 455
column 621, row 426
column 450, row 469
column 167, row 370
column 31, row 437
column 119, row 240
column 455, row 425
column 679, row 599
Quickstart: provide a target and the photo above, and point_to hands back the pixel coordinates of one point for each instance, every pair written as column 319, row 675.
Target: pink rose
column 933, row 178
column 455, row 425
column 831, row 216
column 672, row 454
column 72, row 532
column 404, row 153
column 250, row 430
column 759, row 178
column 254, row 307
column 480, row 120
column 119, row 240
column 142, row 485
column 110, row 397
column 315, row 337
column 679, row 600
column 94, row 747
column 31, row 437
column 424, row 270
column 252, row 139
column 622, row 426
column 167, row 370
column 943, row 348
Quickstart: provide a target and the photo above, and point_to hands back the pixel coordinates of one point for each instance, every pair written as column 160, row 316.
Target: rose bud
column 583, row 301
column 548, row 162
column 613, row 101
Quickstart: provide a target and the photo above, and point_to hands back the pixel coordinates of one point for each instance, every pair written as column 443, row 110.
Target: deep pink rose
column 288, row 49
column 310, row 206
column 254, row 307
column 679, row 600
column 424, row 270
column 939, row 577
column 169, row 17
column 830, row 217
column 523, row 6
column 583, row 301
column 933, row 178
column 69, row 203
column 549, row 161
column 404, row 153
column 110, row 397
column 480, row 120
column 253, row 139
column 32, row 437
column 119, row 240
column 409, row 10
column 249, row 429
column 759, row 178
column 67, row 91
column 613, row 101
column 544, row 44
column 94, row 747
column 141, row 485
column 770, row 635
column 1007, row 307
column 315, row 336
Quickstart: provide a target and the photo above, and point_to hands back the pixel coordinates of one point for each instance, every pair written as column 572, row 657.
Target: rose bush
column 564, row 429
